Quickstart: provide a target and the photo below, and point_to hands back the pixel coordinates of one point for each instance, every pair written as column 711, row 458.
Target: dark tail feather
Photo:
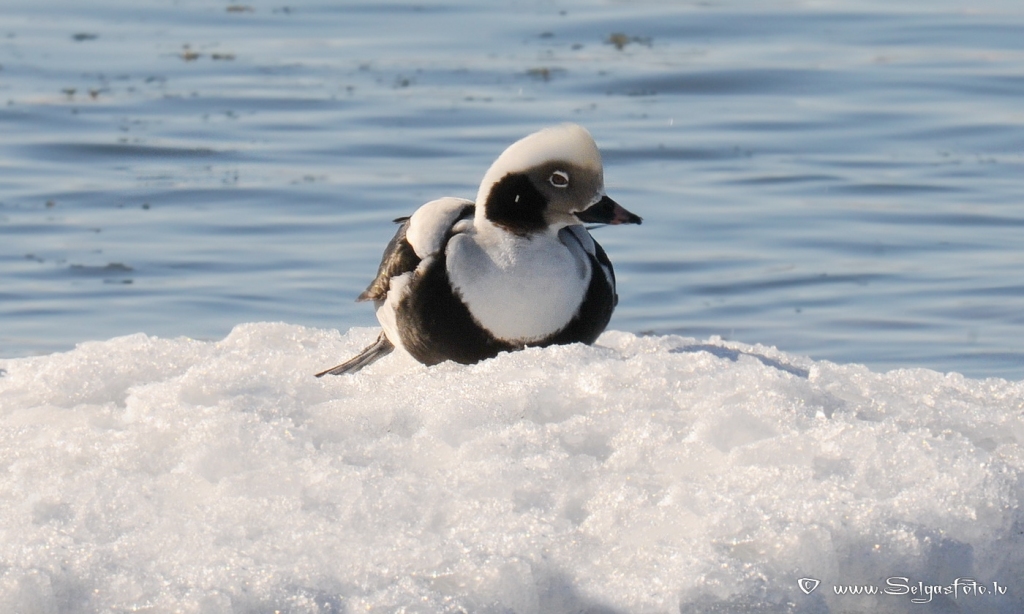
column 370, row 354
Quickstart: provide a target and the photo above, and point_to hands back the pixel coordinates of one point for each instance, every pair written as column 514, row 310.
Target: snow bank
column 646, row 474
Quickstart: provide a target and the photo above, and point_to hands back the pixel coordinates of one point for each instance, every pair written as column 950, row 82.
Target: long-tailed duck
column 464, row 282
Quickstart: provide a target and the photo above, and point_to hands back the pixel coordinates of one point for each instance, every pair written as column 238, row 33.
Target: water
column 840, row 180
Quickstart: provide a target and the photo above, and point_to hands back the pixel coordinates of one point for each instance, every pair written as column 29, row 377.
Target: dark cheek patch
column 516, row 205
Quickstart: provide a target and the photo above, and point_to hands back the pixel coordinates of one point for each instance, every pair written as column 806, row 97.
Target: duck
column 465, row 280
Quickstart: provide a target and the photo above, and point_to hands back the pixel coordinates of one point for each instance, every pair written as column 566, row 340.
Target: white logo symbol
column 807, row 585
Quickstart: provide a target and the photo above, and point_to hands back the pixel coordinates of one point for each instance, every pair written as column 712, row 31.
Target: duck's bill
column 607, row 211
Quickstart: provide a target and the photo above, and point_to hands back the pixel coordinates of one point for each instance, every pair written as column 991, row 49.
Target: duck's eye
column 559, row 179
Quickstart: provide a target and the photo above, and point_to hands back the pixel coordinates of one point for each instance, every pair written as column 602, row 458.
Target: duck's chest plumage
column 521, row 289
column 482, row 294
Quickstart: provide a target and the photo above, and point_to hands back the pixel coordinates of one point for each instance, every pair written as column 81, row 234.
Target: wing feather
column 399, row 258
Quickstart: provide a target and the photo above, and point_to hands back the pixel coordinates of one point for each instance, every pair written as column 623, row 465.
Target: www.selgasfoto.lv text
column 920, row 592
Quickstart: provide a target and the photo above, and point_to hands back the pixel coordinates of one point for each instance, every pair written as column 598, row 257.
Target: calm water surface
column 839, row 179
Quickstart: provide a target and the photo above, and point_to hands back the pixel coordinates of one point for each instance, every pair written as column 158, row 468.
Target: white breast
column 520, row 289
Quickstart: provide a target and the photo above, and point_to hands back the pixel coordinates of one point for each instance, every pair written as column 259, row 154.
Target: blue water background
column 839, row 179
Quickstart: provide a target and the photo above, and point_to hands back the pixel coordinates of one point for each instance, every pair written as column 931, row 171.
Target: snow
column 644, row 474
